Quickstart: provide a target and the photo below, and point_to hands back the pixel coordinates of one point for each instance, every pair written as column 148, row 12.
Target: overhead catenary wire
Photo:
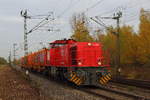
column 99, row 23
column 70, row 6
column 128, row 5
column 97, row 3
column 129, row 17
column 39, row 15
column 41, row 23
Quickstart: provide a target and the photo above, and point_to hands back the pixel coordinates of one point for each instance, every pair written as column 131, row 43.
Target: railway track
column 89, row 91
column 132, row 82
column 107, row 94
column 112, row 94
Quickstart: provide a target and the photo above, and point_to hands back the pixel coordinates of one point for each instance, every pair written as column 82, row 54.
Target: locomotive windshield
column 54, row 45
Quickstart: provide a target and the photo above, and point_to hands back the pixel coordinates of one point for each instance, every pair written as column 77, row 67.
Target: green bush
column 2, row 61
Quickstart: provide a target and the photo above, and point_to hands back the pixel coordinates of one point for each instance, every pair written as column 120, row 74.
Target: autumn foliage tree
column 109, row 43
column 134, row 46
column 144, row 34
column 80, row 28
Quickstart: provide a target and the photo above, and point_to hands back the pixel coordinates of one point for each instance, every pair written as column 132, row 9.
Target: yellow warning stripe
column 108, row 77
column 75, row 79
column 103, row 80
column 72, row 77
column 79, row 82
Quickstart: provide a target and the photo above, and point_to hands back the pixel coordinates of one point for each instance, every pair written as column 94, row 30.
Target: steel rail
column 117, row 92
column 137, row 97
column 138, row 83
column 96, row 94
column 89, row 91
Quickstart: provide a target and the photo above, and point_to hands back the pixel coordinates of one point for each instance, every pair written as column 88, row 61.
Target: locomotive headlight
column 99, row 63
column 89, row 44
column 79, row 63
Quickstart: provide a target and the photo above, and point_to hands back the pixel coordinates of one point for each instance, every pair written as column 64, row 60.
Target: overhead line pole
column 117, row 18
column 25, row 35
column 9, row 58
column 99, row 23
column 118, row 67
column 14, row 51
column 25, row 15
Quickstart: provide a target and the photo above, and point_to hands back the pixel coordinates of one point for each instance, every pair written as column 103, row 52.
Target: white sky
column 11, row 23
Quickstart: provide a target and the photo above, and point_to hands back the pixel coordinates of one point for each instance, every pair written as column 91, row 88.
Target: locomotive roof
column 63, row 41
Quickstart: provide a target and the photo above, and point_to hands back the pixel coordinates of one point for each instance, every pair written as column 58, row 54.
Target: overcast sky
column 11, row 23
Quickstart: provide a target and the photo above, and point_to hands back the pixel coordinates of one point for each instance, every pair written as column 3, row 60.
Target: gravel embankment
column 14, row 87
column 58, row 90
column 62, row 91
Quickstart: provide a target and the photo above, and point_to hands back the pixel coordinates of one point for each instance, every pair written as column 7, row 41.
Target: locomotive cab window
column 56, row 45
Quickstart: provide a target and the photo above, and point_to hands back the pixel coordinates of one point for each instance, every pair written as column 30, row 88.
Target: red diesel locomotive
column 83, row 63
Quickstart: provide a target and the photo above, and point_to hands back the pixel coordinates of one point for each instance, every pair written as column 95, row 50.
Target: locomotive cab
column 90, row 63
column 83, row 63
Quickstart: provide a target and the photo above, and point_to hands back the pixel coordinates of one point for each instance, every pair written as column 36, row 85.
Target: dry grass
column 137, row 72
column 134, row 72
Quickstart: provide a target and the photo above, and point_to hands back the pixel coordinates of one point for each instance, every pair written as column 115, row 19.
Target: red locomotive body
column 82, row 63
column 60, row 53
column 86, row 54
column 76, row 54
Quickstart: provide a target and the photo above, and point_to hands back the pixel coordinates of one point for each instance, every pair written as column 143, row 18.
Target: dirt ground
column 14, row 87
column 57, row 90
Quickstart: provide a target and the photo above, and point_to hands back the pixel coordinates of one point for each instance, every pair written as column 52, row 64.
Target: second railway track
column 132, row 82
column 111, row 94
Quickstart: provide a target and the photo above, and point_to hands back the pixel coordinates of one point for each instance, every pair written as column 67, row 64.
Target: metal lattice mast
column 14, row 51
column 41, row 24
column 9, row 58
column 25, row 34
column 25, row 15
column 117, row 18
